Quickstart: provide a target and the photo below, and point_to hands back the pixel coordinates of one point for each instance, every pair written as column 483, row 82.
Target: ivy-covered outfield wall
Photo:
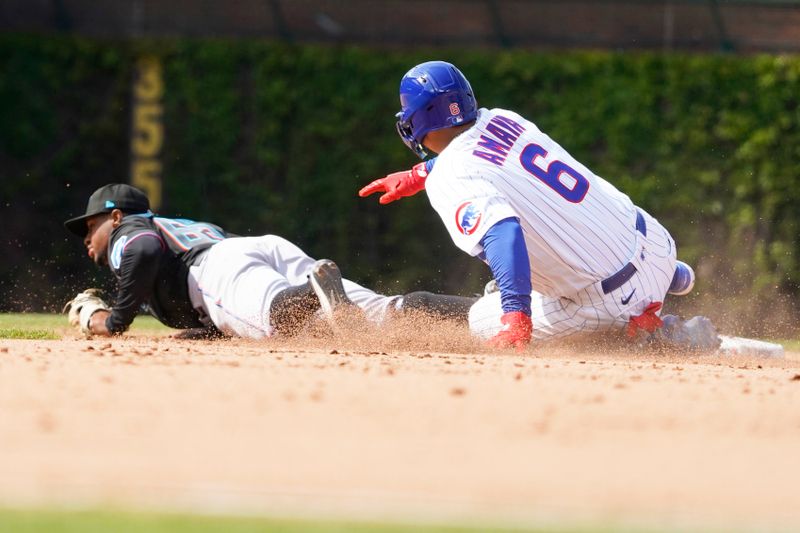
column 270, row 138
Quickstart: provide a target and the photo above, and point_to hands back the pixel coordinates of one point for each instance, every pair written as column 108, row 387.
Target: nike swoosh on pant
column 628, row 299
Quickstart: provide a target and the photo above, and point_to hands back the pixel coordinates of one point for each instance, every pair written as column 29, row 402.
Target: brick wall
column 689, row 24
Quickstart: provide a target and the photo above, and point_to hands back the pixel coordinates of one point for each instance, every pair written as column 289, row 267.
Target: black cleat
column 326, row 280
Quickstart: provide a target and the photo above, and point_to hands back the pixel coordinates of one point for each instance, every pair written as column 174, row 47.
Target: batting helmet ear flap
column 406, row 132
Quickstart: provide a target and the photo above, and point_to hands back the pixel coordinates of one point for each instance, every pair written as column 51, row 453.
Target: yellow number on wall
column 147, row 135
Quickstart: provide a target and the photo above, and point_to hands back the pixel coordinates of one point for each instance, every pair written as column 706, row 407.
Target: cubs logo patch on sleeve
column 468, row 218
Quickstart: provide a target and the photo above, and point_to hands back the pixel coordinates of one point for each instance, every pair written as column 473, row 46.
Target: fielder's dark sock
column 444, row 306
column 292, row 307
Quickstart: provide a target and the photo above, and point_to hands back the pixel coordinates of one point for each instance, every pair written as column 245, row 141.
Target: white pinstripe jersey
column 578, row 228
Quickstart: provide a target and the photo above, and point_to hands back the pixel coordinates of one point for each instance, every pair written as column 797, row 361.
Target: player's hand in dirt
column 398, row 184
column 516, row 332
column 81, row 308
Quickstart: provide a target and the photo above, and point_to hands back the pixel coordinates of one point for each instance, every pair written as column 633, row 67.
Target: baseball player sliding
column 194, row 275
column 569, row 252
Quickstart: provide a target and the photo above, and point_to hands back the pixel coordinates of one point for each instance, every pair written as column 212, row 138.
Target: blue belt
column 617, row 280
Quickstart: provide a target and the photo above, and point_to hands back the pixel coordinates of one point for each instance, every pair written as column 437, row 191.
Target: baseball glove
column 81, row 308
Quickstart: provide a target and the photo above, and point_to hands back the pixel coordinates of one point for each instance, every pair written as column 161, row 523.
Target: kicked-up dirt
column 446, row 432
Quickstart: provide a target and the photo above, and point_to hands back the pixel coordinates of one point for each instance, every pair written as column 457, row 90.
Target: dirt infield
column 321, row 428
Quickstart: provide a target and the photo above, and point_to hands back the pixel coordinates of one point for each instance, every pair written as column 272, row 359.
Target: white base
column 750, row 347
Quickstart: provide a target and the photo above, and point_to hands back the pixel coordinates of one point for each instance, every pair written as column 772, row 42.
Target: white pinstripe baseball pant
column 594, row 308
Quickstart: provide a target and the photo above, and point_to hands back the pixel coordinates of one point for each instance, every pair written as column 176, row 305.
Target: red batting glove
column 516, row 332
column 398, row 185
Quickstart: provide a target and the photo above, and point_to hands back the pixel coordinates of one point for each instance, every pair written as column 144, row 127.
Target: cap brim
column 77, row 225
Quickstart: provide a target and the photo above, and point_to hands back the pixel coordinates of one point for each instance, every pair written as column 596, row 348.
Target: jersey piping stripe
column 145, row 234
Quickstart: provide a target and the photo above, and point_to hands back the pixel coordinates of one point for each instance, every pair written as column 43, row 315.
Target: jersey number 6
column 552, row 175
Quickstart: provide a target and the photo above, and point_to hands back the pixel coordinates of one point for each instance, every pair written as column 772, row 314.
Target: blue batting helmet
column 433, row 95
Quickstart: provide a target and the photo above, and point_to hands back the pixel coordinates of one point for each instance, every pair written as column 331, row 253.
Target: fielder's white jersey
column 578, row 228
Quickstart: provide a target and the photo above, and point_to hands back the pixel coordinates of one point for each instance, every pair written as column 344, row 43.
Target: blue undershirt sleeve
column 429, row 164
column 505, row 251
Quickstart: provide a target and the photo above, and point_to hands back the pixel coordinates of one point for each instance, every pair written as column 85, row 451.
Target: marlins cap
column 106, row 199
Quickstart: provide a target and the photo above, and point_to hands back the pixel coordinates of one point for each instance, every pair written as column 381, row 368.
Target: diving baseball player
column 569, row 252
column 194, row 275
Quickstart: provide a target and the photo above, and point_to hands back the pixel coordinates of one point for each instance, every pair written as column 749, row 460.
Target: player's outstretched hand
column 83, row 306
column 516, row 332
column 398, row 184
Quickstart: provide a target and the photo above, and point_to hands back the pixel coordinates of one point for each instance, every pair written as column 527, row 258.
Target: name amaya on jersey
column 504, row 133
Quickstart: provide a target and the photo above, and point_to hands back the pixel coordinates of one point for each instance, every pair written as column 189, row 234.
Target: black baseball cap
column 106, row 199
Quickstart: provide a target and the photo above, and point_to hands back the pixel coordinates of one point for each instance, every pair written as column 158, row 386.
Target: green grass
column 50, row 326
column 791, row 344
column 53, row 521
column 33, row 334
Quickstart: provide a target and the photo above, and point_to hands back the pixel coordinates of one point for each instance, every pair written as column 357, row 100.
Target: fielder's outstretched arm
column 97, row 324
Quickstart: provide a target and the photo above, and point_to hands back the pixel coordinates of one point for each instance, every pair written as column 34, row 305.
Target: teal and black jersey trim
column 150, row 257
